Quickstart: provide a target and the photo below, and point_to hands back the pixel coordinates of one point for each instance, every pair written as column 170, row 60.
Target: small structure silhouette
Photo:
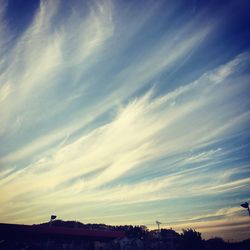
column 246, row 205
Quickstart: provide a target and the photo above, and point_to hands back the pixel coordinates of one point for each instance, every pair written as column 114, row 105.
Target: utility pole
column 158, row 224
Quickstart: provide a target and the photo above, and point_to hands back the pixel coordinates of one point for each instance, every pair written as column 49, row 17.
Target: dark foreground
column 73, row 235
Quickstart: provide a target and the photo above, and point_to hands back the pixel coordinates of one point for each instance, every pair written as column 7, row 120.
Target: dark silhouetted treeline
column 189, row 239
column 136, row 238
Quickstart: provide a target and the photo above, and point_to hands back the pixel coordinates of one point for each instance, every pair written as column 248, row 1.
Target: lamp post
column 246, row 205
column 52, row 217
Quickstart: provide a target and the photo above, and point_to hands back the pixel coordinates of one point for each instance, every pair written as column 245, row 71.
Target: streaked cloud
column 91, row 114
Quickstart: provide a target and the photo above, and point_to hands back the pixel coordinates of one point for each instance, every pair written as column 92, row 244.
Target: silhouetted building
column 45, row 237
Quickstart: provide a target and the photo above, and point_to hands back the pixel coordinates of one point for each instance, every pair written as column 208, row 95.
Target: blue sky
column 126, row 112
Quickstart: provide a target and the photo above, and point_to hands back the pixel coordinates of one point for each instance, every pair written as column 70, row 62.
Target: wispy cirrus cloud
column 145, row 71
column 82, row 123
column 136, row 138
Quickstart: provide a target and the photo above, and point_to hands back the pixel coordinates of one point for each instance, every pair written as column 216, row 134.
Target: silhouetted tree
column 191, row 240
column 216, row 244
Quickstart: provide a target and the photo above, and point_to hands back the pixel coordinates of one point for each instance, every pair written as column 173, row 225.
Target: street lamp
column 246, row 205
column 52, row 217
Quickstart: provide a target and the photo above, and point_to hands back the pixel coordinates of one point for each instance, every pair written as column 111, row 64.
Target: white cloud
column 5, row 90
column 204, row 156
column 92, row 166
column 130, row 140
column 42, row 55
column 51, row 56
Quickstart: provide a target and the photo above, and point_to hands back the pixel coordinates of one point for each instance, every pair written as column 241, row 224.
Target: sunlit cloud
column 91, row 114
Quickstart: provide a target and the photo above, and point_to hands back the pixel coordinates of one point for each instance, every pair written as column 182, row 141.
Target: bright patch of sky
column 126, row 112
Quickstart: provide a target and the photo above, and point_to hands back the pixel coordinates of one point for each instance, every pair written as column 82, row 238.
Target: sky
column 126, row 112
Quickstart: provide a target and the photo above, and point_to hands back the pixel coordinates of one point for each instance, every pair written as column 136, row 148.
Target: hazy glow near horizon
column 126, row 112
